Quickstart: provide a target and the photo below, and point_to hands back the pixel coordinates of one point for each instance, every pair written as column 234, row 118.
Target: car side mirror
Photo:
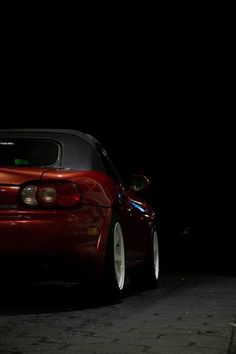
column 139, row 183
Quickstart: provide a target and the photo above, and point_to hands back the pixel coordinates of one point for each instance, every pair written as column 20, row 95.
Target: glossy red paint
column 97, row 188
column 63, row 233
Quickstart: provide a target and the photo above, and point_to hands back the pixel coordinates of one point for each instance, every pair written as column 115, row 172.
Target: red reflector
column 67, row 195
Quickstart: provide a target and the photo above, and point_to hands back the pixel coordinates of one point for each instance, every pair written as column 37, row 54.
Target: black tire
column 147, row 275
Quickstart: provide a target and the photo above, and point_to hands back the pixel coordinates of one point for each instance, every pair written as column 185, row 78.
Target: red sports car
column 64, row 206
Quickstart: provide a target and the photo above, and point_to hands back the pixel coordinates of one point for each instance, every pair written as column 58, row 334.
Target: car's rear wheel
column 114, row 272
column 152, row 264
column 147, row 275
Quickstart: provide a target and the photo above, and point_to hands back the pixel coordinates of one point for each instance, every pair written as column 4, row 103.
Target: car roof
column 87, row 137
column 73, row 142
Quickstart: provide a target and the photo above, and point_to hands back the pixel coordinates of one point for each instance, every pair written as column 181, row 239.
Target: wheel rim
column 155, row 255
column 119, row 256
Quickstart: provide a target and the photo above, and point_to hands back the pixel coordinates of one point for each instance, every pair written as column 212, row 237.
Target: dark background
column 192, row 178
column 158, row 95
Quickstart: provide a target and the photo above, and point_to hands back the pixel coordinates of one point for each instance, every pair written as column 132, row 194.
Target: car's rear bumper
column 65, row 237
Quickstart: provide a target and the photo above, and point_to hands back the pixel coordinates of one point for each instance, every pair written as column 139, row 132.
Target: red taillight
column 53, row 195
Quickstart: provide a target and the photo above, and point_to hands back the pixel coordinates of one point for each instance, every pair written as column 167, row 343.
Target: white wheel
column 114, row 271
column 155, row 251
column 119, row 256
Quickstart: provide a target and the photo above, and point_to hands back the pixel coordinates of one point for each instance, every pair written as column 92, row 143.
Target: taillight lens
column 28, row 195
column 46, row 194
column 52, row 195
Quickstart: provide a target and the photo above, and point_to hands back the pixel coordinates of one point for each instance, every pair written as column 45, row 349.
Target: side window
column 108, row 165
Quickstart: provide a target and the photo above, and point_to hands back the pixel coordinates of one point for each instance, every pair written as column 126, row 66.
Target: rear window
column 28, row 152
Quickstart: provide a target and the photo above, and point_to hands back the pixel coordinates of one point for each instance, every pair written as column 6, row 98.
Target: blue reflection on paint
column 137, row 205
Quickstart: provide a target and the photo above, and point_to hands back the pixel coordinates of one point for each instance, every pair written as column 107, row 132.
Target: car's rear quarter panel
column 79, row 234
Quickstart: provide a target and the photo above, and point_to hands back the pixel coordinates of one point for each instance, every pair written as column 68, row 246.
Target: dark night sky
column 161, row 106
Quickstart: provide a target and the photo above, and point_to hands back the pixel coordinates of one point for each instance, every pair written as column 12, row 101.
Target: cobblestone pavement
column 184, row 315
